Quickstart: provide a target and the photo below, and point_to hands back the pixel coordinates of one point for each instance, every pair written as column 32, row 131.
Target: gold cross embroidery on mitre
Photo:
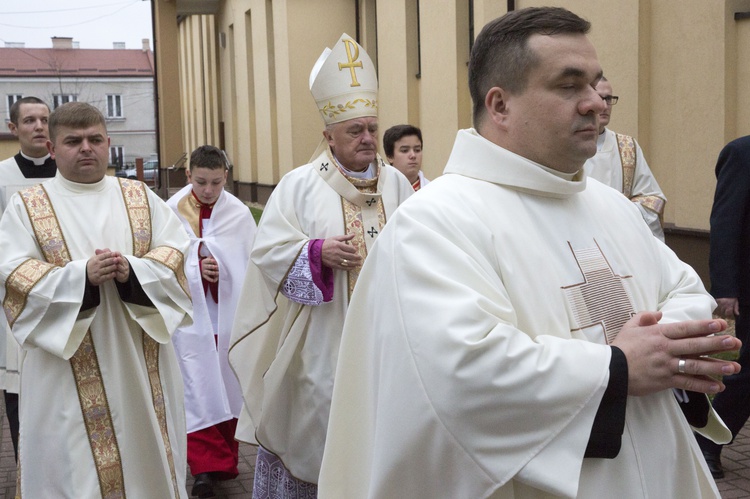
column 601, row 297
column 351, row 64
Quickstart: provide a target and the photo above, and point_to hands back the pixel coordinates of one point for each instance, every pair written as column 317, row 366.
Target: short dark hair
column 501, row 57
column 396, row 133
column 209, row 157
column 75, row 115
column 15, row 109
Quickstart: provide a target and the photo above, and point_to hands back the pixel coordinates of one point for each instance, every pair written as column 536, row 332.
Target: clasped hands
column 106, row 265
column 654, row 351
column 338, row 253
column 210, row 269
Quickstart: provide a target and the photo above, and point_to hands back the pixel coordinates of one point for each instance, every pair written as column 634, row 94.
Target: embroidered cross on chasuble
column 600, row 298
column 84, row 363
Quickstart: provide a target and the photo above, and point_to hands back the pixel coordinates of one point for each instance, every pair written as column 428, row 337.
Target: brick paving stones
column 735, row 485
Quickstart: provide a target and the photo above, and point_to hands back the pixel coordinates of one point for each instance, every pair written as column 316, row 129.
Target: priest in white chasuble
column 221, row 230
column 93, row 286
column 316, row 230
column 527, row 344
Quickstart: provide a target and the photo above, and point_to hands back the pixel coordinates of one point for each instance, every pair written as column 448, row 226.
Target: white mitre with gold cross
column 343, row 82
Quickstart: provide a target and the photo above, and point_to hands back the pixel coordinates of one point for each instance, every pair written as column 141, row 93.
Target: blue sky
column 95, row 24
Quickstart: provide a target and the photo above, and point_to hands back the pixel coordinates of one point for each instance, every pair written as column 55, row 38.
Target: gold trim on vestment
column 626, row 146
column 653, row 203
column 353, row 223
column 139, row 214
column 151, row 354
column 19, row 284
column 190, row 209
column 46, row 227
column 332, row 110
column 173, row 259
column 97, row 417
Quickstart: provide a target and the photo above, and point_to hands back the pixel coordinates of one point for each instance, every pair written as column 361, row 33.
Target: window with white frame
column 12, row 98
column 114, row 106
column 60, row 99
column 116, row 155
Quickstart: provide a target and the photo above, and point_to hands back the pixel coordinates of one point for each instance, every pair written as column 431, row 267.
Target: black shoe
column 714, row 464
column 203, row 487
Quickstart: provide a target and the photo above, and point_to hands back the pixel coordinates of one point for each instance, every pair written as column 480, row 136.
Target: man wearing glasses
column 620, row 164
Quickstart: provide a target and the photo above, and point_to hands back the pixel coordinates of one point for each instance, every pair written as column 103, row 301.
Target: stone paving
column 239, row 488
column 736, row 460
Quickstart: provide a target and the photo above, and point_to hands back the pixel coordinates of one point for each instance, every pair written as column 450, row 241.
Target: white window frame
column 60, row 99
column 114, row 106
column 11, row 99
column 115, row 153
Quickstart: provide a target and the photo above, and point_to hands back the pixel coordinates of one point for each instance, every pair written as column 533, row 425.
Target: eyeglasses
column 611, row 100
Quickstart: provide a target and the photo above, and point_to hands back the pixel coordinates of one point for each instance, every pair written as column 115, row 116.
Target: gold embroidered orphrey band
column 19, row 284
column 626, row 146
column 84, row 363
column 139, row 214
column 353, row 223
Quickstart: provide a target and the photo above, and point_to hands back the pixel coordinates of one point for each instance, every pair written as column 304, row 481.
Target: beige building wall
column 265, row 52
column 739, row 98
column 423, row 55
column 9, row 146
column 693, row 79
column 199, row 84
column 168, row 96
column 678, row 66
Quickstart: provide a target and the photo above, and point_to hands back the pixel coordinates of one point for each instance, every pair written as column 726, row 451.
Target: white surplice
column 212, row 393
column 606, row 167
column 11, row 354
column 474, row 359
column 142, row 396
column 422, row 180
column 284, row 353
column 12, row 180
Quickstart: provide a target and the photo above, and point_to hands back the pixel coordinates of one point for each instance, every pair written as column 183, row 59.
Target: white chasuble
column 101, row 403
column 284, row 353
column 212, row 393
column 474, row 354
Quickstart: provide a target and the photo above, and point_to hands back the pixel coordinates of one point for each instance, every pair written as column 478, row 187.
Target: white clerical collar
column 36, row 161
column 600, row 140
column 78, row 187
column 365, row 174
column 557, row 173
column 476, row 157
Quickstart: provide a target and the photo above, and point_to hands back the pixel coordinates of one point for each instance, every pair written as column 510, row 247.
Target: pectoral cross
column 351, row 64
